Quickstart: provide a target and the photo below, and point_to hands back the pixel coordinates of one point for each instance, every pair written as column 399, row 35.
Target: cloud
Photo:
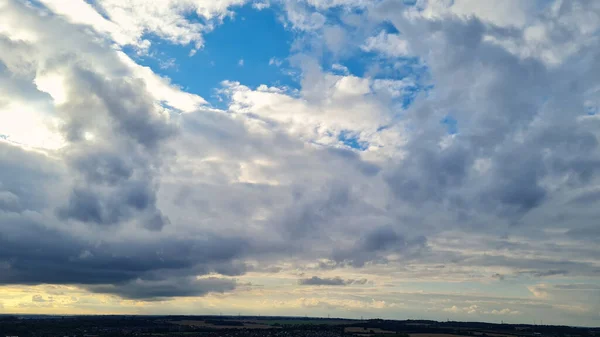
column 376, row 244
column 335, row 281
column 40, row 299
column 509, row 13
column 475, row 310
column 317, row 281
column 504, row 311
column 342, row 304
column 390, row 45
column 472, row 309
column 139, row 267
column 577, row 286
column 499, row 277
column 301, row 17
column 129, row 23
column 117, row 189
column 538, row 292
column 157, row 289
column 550, row 273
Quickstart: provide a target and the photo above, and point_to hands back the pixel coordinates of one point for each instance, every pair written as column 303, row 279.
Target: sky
column 430, row 159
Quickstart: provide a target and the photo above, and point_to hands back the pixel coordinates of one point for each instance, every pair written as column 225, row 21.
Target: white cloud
column 128, row 22
column 22, row 123
column 303, row 18
column 161, row 88
column 502, row 13
column 340, row 68
column 505, row 311
column 275, row 61
column 261, row 5
column 538, row 291
column 390, row 45
column 334, row 104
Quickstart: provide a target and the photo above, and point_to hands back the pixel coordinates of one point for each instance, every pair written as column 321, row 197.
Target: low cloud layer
column 330, row 281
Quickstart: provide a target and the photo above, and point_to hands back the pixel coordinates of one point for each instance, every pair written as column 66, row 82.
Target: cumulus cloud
column 129, row 22
column 505, row 311
column 390, row 45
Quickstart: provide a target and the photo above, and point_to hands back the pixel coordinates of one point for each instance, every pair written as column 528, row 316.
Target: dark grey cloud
column 426, row 174
column 160, row 289
column 330, row 281
column 305, row 217
column 351, row 158
column 516, row 184
column 103, row 166
column 92, row 205
column 40, row 299
column 552, row 272
column 499, row 277
column 382, row 238
column 128, row 107
column 317, row 281
column 375, row 244
column 586, row 198
column 21, row 175
column 117, row 177
column 165, row 265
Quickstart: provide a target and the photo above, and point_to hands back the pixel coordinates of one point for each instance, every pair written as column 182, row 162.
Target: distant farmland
column 301, row 321
column 223, row 324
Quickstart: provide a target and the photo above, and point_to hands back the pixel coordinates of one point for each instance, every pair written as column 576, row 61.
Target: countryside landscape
column 252, row 326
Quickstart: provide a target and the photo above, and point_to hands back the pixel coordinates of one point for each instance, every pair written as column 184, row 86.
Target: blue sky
column 254, row 38
column 391, row 159
column 252, row 46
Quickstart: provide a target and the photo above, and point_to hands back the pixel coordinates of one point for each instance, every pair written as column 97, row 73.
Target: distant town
column 264, row 326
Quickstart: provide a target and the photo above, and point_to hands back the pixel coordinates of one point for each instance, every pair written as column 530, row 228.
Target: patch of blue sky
column 38, row 5
column 239, row 49
column 387, row 27
column 352, row 140
column 451, row 124
column 410, row 2
column 370, row 64
column 591, row 110
column 361, row 63
column 411, row 68
column 98, row 8
column 337, row 15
